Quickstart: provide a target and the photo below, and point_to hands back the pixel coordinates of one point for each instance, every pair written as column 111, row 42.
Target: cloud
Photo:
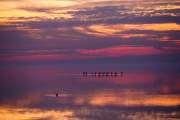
column 94, row 28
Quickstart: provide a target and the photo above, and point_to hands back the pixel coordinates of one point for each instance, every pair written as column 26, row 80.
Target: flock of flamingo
column 102, row 74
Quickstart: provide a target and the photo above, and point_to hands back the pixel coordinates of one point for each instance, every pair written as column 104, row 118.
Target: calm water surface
column 143, row 92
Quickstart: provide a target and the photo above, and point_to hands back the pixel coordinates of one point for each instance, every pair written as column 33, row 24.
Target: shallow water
column 143, row 92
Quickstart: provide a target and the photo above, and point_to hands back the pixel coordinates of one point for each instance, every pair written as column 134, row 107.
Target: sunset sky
column 85, row 30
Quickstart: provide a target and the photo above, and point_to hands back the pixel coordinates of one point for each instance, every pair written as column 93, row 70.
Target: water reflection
column 84, row 113
column 147, row 92
column 33, row 114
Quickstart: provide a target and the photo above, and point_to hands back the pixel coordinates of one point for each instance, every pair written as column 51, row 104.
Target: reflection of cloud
column 88, row 94
column 84, row 113
column 130, row 99
column 32, row 114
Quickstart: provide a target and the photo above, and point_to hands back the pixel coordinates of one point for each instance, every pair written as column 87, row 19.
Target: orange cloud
column 115, row 30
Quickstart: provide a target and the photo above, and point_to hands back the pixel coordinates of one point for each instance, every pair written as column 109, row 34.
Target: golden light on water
column 7, row 113
column 125, row 98
column 29, row 114
column 133, row 99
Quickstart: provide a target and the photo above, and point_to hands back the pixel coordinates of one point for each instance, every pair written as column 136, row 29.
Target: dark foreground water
column 143, row 92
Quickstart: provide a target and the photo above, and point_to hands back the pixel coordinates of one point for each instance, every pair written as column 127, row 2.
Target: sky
column 91, row 30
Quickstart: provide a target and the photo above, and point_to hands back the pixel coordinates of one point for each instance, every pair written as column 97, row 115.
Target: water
column 143, row 92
